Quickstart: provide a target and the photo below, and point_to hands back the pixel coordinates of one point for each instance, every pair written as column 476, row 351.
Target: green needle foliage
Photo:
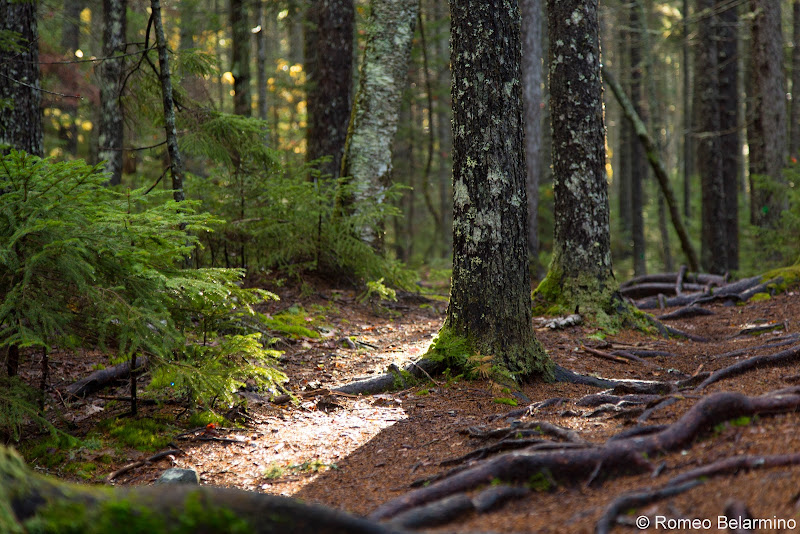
column 83, row 265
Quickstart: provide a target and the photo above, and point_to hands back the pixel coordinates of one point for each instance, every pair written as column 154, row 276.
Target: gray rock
column 178, row 476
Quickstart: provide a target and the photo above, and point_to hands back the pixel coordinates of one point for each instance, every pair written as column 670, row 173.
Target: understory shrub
column 82, row 265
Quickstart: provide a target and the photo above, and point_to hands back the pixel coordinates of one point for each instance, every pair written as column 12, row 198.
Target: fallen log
column 650, row 289
column 104, row 378
column 614, row 457
column 29, row 500
column 704, row 279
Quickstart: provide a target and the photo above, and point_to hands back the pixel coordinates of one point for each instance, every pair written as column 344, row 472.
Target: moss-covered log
column 32, row 503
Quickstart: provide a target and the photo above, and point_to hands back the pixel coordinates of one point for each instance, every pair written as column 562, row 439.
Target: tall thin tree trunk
column 176, row 163
column 70, row 42
column 240, row 58
column 261, row 61
column 730, row 143
column 794, row 136
column 329, row 80
column 112, row 126
column 638, row 162
column 532, row 54
column 766, row 122
column 688, row 145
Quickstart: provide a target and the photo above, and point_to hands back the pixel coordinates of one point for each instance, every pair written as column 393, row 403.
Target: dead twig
column 135, row 465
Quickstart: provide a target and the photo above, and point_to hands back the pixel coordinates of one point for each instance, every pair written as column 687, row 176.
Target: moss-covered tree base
column 33, row 504
column 596, row 299
column 507, row 366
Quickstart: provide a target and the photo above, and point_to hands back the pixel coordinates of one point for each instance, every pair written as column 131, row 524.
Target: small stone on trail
column 178, row 476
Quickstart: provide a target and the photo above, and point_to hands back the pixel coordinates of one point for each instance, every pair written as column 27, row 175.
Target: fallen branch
column 135, row 465
column 615, row 457
column 685, row 313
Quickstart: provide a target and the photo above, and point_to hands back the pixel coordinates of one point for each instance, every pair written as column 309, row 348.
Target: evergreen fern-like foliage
column 83, row 265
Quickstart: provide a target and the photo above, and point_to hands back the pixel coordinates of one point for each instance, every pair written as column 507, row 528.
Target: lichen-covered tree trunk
column 532, row 52
column 30, row 502
column 580, row 275
column 175, row 160
column 112, row 126
column 20, row 95
column 240, row 58
column 367, row 158
column 766, row 124
column 490, row 302
column 329, row 79
column 713, row 253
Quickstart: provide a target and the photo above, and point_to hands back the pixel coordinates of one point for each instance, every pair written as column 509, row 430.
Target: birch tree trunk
column 20, row 95
column 367, row 159
column 490, row 302
column 112, row 120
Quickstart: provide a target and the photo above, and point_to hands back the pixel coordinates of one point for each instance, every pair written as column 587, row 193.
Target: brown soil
column 357, row 453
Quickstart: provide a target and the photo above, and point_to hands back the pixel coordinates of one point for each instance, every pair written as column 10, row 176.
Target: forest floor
column 356, row 453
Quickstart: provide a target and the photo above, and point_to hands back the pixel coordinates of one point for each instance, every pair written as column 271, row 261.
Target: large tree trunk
column 532, row 54
column 580, row 272
column 490, row 302
column 30, row 502
column 261, row 61
column 766, row 132
column 112, row 126
column 20, row 94
column 329, row 80
column 367, row 159
column 240, row 58
column 70, row 42
column 688, row 145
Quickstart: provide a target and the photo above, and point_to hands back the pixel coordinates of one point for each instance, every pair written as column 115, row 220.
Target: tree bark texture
column 20, row 94
column 175, row 161
column 490, row 300
column 688, row 144
column 261, row 61
column 329, row 80
column 714, row 252
column 638, row 29
column 730, row 142
column 766, row 132
column 532, row 53
column 622, row 155
column 794, row 136
column 111, row 134
column 581, row 248
column 70, row 42
column 240, row 58
column 367, row 158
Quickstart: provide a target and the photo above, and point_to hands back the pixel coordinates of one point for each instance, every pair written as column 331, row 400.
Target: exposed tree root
column 685, row 313
column 691, row 479
column 768, row 360
column 456, row 506
column 677, row 278
column 644, row 353
column 740, row 291
column 615, row 457
column 777, row 342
